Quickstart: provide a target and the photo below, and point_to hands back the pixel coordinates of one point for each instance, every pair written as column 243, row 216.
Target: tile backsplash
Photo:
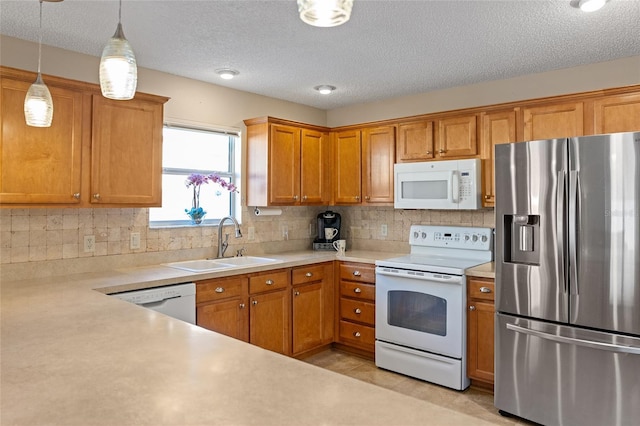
column 54, row 238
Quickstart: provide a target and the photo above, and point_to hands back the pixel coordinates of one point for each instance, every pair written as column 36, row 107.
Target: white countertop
column 72, row 355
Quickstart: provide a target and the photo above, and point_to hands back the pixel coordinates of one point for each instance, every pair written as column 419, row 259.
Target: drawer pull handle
column 76, row 195
column 358, row 311
column 96, row 196
column 356, row 273
column 269, row 282
column 356, row 334
column 219, row 290
column 242, row 306
column 485, row 290
column 308, row 274
column 357, row 290
column 254, row 302
column 472, row 308
column 296, row 293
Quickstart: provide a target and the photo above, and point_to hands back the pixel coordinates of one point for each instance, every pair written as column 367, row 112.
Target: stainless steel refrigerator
column 568, row 280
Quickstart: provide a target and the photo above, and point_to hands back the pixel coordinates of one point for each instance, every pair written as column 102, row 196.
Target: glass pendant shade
column 38, row 104
column 118, row 68
column 325, row 13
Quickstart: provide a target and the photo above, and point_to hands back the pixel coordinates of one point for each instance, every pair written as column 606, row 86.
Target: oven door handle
column 423, row 276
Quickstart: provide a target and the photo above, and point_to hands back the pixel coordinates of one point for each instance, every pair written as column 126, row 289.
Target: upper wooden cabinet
column 415, row 141
column 287, row 163
column 497, row 127
column 457, row 137
column 348, row 167
column 97, row 151
column 378, row 157
column 619, row 113
column 553, row 121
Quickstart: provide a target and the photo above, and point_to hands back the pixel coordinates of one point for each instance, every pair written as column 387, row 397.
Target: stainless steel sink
column 207, row 265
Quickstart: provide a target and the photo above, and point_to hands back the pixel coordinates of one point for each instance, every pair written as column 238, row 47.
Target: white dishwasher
column 177, row 301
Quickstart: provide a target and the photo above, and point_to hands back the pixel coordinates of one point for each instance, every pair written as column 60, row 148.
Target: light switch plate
column 134, row 242
column 251, row 234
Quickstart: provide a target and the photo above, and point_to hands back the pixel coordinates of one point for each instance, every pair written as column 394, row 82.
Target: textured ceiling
column 388, row 48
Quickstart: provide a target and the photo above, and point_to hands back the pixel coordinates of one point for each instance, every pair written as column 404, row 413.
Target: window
column 186, row 151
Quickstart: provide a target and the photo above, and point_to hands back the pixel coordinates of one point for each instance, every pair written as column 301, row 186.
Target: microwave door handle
column 455, row 187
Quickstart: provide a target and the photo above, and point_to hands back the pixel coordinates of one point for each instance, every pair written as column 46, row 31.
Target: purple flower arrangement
column 196, row 180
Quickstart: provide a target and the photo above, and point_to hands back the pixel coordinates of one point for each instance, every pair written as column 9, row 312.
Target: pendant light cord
column 119, row 12
column 40, row 39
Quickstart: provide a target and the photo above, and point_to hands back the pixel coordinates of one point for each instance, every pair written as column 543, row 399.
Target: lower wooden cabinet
column 269, row 321
column 356, row 323
column 480, row 331
column 221, row 306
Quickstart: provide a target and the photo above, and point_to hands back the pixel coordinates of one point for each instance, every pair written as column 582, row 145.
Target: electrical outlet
column 383, row 230
column 251, row 233
column 285, row 232
column 134, row 241
column 89, row 243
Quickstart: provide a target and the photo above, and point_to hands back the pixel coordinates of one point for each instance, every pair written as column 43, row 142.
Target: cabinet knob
column 356, row 334
column 242, row 306
column 295, row 197
column 358, row 311
column 357, row 290
column 96, row 196
column 428, row 152
column 442, row 151
column 76, row 195
column 356, row 273
column 357, row 198
column 367, row 198
column 472, row 308
column 304, row 198
column 485, row 290
column 219, row 290
column 296, row 293
column 308, row 274
column 269, row 282
column 486, row 197
column 254, row 302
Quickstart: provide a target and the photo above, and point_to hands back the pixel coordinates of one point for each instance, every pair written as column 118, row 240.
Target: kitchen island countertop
column 72, row 355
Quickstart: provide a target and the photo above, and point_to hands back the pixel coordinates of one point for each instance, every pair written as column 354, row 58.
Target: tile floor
column 471, row 402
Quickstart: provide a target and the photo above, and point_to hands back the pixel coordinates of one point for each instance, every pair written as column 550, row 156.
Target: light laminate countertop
column 71, row 355
column 486, row 270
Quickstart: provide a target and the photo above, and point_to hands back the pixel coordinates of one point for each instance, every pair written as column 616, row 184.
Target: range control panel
column 462, row 237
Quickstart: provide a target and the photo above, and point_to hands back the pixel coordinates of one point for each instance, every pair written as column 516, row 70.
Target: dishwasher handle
column 158, row 301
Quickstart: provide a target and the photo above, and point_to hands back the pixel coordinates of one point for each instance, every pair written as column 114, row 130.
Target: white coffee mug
column 330, row 233
column 340, row 246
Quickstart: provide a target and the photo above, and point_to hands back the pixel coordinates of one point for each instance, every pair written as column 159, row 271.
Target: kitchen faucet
column 222, row 246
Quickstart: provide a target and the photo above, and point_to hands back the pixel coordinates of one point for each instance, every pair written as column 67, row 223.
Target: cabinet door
column 269, row 321
column 348, row 169
column 40, row 165
column 553, row 121
column 314, row 167
column 480, row 364
column 126, row 152
column 229, row 317
column 615, row 114
column 497, row 128
column 308, row 317
column 457, row 137
column 378, row 156
column 284, row 165
column 415, row 141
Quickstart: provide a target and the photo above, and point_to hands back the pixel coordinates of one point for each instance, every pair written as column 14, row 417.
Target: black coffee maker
column 327, row 220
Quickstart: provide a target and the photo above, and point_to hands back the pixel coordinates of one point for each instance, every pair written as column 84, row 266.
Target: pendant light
column 118, row 69
column 325, row 13
column 38, row 104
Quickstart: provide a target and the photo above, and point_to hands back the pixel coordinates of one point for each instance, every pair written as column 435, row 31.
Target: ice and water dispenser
column 522, row 239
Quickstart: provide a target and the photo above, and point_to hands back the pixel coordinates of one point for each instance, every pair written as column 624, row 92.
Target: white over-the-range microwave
column 438, row 185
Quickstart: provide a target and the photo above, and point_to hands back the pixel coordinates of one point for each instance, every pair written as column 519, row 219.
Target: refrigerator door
column 531, row 227
column 604, row 237
column 561, row 375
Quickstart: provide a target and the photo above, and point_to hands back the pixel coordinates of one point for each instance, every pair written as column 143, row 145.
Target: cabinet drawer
column 356, row 333
column 358, row 290
column 482, row 289
column 219, row 288
column 308, row 274
column 268, row 281
column 361, row 273
column 357, row 310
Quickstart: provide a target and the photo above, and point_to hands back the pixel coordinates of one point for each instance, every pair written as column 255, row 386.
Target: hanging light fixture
column 325, row 13
column 118, row 68
column 38, row 104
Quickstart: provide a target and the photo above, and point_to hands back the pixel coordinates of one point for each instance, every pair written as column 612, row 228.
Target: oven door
column 421, row 310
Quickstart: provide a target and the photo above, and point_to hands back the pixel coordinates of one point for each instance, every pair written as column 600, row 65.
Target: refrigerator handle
column 573, row 341
column 561, row 226
column 574, row 226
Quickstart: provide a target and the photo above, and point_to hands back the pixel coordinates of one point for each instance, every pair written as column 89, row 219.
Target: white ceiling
column 389, row 48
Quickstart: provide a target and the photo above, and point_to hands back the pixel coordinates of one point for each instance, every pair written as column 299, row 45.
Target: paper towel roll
column 267, row 212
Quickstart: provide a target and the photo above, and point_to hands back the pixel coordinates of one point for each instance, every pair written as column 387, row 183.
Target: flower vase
column 196, row 214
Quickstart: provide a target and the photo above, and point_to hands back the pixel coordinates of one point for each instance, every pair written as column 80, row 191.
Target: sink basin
column 201, row 265
column 246, row 260
column 207, row 265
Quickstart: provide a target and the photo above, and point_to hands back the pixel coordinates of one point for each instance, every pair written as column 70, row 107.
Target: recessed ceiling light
column 227, row 73
column 591, row 5
column 325, row 89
